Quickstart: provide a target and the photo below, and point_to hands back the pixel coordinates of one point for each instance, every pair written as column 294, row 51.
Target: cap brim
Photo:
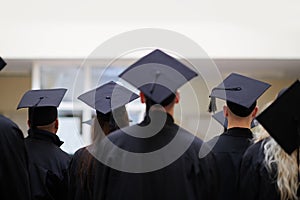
column 108, row 97
column 240, row 89
column 42, row 98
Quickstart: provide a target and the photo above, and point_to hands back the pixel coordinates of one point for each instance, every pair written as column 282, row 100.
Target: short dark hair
column 167, row 101
column 239, row 110
column 40, row 116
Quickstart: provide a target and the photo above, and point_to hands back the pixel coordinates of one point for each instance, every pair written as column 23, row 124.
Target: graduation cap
column 158, row 76
column 89, row 122
column 2, row 63
column 219, row 117
column 42, row 105
column 282, row 118
column 108, row 97
column 240, row 93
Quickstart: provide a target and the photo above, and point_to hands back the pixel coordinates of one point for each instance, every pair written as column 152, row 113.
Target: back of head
column 240, row 93
column 42, row 105
column 158, row 76
column 114, row 120
column 239, row 110
column 167, row 101
column 41, row 116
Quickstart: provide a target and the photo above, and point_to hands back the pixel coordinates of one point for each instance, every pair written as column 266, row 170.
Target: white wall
column 225, row 29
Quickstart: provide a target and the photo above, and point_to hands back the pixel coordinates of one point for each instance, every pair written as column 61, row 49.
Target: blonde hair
column 282, row 166
column 286, row 171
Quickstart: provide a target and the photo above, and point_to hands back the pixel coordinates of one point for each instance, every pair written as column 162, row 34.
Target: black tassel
column 212, row 105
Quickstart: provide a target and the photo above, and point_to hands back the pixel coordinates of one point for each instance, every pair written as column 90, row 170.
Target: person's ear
column 225, row 111
column 56, row 124
column 177, row 97
column 254, row 112
column 142, row 96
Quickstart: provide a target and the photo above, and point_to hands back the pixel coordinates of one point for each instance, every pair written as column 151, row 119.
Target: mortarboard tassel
column 157, row 74
column 212, row 107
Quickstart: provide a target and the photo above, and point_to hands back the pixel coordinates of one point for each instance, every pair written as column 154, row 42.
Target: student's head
column 239, row 115
column 168, row 103
column 158, row 76
column 43, row 118
column 109, row 101
column 240, row 93
column 114, row 120
column 42, row 107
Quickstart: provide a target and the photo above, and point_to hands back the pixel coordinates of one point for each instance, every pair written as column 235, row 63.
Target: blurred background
column 45, row 44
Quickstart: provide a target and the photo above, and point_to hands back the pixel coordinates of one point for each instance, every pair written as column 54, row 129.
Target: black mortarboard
column 219, row 117
column 2, row 63
column 42, row 105
column 158, row 75
column 108, row 97
column 282, row 118
column 240, row 92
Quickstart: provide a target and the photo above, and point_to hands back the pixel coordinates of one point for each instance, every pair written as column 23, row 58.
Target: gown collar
column 45, row 136
column 156, row 113
column 239, row 132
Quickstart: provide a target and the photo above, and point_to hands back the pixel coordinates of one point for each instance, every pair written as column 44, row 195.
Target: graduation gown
column 14, row 179
column 188, row 177
column 48, row 165
column 229, row 148
column 255, row 181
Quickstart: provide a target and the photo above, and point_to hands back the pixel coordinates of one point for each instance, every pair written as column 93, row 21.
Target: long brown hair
column 103, row 125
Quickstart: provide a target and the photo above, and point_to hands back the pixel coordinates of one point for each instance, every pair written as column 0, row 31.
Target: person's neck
column 51, row 130
column 244, row 123
column 167, row 109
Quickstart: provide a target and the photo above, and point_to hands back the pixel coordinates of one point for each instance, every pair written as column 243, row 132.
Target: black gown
column 48, row 165
column 14, row 179
column 188, row 177
column 229, row 148
column 255, row 181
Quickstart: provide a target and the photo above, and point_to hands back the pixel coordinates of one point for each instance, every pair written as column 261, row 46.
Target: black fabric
column 2, row 63
column 188, row 177
column 48, row 165
column 228, row 149
column 14, row 178
column 255, row 181
column 282, row 118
